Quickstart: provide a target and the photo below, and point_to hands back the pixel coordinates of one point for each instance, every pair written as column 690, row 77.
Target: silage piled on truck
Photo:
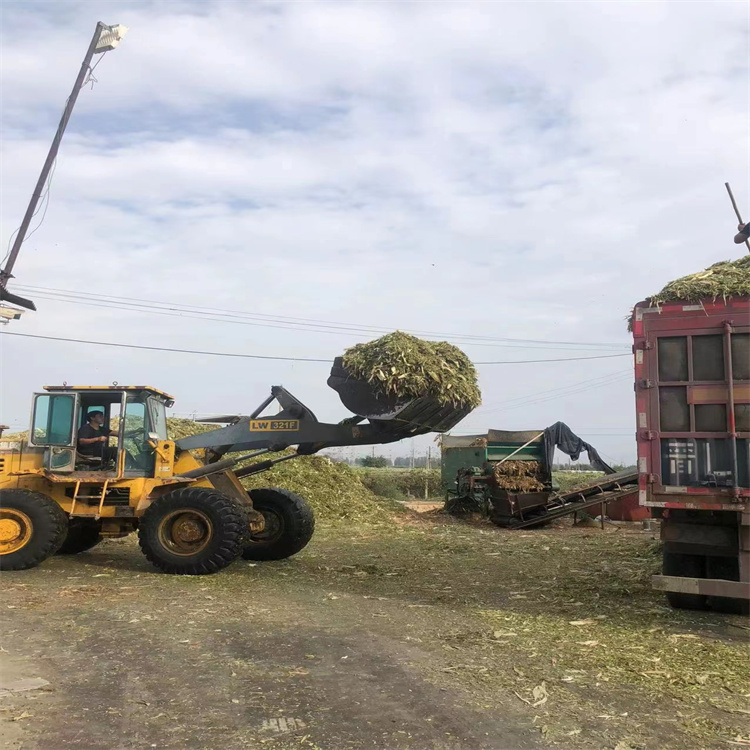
column 403, row 365
column 518, row 476
column 723, row 280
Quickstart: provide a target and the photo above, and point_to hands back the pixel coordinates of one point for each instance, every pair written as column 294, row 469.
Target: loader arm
column 295, row 424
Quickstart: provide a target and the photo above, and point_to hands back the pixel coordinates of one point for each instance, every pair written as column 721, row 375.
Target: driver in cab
column 93, row 438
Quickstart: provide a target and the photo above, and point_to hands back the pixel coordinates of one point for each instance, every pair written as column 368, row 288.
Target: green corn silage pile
column 723, row 280
column 404, row 365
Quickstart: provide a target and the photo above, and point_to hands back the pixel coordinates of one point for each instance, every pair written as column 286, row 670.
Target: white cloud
column 521, row 170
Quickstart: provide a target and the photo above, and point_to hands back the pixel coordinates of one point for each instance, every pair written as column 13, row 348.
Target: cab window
column 139, row 456
column 53, row 420
column 158, row 413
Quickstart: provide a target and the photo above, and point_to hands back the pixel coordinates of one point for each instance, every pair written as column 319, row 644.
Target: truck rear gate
column 692, row 386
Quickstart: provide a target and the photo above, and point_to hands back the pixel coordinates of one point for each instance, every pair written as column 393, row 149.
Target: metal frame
column 295, row 424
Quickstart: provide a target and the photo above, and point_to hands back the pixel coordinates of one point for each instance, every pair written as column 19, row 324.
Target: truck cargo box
column 692, row 390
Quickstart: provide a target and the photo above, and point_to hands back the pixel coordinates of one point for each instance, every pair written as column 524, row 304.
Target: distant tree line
column 402, row 462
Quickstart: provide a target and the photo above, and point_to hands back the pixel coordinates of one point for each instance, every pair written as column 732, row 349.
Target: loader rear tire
column 32, row 528
column 290, row 524
column 83, row 534
column 193, row 531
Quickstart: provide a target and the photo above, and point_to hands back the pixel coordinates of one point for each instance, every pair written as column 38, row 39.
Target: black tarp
column 559, row 435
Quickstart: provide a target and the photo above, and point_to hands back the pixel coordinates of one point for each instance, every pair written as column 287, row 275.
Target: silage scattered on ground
column 518, row 476
column 567, row 607
column 404, row 365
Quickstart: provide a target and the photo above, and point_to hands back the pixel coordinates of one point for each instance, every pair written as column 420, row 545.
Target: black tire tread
column 299, row 526
column 229, row 519
column 50, row 528
column 82, row 535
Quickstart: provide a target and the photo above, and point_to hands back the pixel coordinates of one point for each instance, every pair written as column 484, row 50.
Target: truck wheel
column 32, row 528
column 192, row 531
column 289, row 525
column 83, row 534
column 688, row 566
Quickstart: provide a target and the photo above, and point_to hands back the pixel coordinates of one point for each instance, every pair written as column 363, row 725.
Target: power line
column 554, row 397
column 265, row 356
column 163, row 348
column 561, row 391
column 342, row 330
column 562, row 359
column 278, row 321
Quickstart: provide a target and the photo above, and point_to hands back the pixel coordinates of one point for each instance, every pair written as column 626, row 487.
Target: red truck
column 692, row 392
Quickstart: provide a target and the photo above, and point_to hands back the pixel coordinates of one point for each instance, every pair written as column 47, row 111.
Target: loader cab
column 135, row 416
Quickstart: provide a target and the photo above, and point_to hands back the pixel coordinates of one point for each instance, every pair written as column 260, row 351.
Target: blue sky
column 508, row 170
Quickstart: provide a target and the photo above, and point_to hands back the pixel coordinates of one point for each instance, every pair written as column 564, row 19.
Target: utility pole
column 743, row 234
column 105, row 38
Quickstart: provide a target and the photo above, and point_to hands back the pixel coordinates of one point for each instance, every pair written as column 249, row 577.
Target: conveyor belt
column 601, row 490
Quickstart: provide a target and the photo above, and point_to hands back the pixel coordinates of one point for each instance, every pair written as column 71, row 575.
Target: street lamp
column 109, row 37
column 105, row 38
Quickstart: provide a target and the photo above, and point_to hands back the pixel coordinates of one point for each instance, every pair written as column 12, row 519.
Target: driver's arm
column 88, row 441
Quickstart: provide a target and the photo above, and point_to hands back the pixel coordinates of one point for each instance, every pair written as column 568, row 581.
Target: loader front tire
column 83, row 534
column 193, row 531
column 290, row 524
column 32, row 528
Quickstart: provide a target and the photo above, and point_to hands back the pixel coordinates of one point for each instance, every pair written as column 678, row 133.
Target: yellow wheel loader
column 184, row 497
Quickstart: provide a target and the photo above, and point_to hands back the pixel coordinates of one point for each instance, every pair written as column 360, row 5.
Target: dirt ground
column 427, row 634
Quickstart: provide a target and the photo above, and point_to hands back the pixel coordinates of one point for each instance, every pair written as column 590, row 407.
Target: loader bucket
column 418, row 415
